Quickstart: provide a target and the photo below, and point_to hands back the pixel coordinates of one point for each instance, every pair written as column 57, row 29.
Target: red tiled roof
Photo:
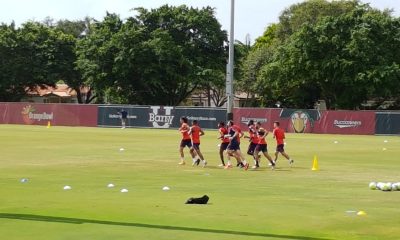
column 61, row 90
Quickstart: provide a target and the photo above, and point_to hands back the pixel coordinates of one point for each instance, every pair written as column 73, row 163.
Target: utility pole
column 229, row 68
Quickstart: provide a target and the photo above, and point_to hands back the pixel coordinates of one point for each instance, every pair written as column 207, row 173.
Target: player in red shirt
column 186, row 140
column 253, row 139
column 279, row 135
column 223, row 132
column 196, row 132
column 262, row 146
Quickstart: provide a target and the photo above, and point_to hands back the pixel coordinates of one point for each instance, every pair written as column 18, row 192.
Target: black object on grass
column 200, row 200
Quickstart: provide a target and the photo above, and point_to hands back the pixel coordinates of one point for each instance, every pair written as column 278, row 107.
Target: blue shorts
column 261, row 148
column 280, row 148
column 233, row 146
column 196, row 146
column 186, row 143
column 251, row 148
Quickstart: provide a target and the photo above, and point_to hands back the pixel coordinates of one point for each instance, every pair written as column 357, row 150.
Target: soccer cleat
column 291, row 162
column 182, row 163
column 196, row 162
column 246, row 166
column 254, row 167
column 204, row 163
column 273, row 166
column 221, row 165
column 228, row 166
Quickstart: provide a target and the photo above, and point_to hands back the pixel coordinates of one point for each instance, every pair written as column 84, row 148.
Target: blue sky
column 251, row 16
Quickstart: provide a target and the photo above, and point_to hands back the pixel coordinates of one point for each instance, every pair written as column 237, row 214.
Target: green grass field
column 288, row 203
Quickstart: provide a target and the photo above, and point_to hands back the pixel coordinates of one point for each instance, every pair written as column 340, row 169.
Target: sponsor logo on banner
column 299, row 121
column 245, row 120
column 191, row 118
column 118, row 116
column 161, row 117
column 29, row 115
column 346, row 123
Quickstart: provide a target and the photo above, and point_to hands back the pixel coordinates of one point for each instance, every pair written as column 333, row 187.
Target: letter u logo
column 155, row 111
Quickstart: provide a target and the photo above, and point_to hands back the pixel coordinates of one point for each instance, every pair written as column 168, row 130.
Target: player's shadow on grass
column 40, row 218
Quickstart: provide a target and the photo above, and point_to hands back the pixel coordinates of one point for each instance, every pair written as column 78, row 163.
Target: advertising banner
column 387, row 123
column 266, row 116
column 4, row 118
column 108, row 116
column 56, row 114
column 292, row 120
column 346, row 122
column 159, row 116
column 299, row 120
column 310, row 121
column 207, row 117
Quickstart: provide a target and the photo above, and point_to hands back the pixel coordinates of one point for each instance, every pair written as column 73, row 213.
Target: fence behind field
column 387, row 123
column 159, row 116
column 311, row 121
column 41, row 114
column 292, row 120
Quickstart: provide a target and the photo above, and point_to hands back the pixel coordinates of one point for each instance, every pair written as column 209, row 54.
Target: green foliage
column 38, row 54
column 74, row 28
column 96, row 53
column 346, row 59
column 31, row 56
column 340, row 51
column 268, row 38
column 310, row 12
column 158, row 57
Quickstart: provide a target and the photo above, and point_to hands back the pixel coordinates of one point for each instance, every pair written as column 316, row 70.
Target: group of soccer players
column 230, row 136
column 191, row 139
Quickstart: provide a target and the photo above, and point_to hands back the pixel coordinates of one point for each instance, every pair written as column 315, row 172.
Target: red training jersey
column 195, row 132
column 253, row 134
column 223, row 131
column 261, row 136
column 184, row 129
column 279, row 135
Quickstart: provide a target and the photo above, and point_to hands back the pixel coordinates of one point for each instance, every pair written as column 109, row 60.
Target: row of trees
column 160, row 56
column 343, row 52
column 30, row 56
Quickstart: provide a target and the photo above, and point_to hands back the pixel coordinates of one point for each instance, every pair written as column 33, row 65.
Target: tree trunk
column 209, row 95
column 89, row 96
column 79, row 95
